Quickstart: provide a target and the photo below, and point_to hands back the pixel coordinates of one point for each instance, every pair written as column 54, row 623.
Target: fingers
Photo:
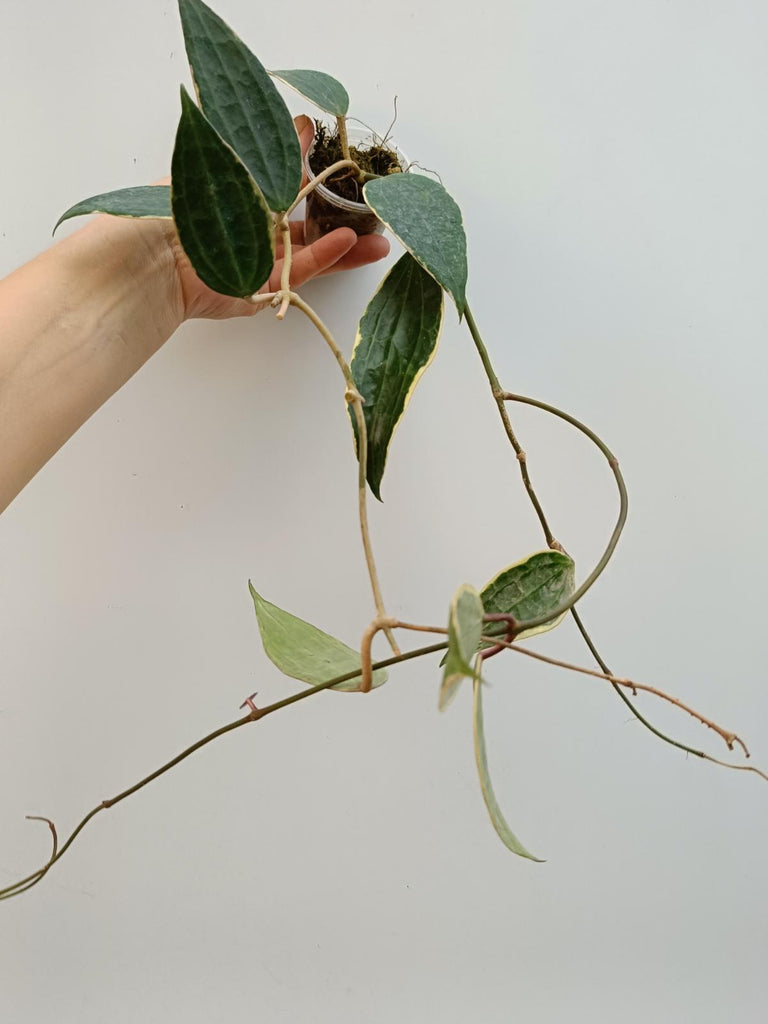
column 297, row 232
column 305, row 129
column 369, row 249
column 316, row 258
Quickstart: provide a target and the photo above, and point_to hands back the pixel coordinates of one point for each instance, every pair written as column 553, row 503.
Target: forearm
column 75, row 324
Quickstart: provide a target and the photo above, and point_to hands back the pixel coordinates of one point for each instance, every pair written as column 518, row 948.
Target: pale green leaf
column 319, row 88
column 242, row 103
column 465, row 627
column 222, row 220
column 141, row 201
column 396, row 341
column 302, row 651
column 505, row 833
column 429, row 224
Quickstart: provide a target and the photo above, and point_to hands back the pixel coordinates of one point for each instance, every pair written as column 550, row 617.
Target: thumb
column 305, row 129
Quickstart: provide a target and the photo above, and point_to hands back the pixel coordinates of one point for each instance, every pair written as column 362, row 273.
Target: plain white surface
column 335, row 863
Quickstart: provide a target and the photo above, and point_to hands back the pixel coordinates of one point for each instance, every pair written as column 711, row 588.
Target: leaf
column 395, row 343
column 529, row 588
column 428, row 223
column 321, row 89
column 142, row 201
column 505, row 833
column 222, row 219
column 465, row 627
column 303, row 651
column 242, row 103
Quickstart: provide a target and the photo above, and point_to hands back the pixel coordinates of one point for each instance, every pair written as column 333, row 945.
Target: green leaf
column 242, row 103
column 142, row 201
column 395, row 343
column 321, row 89
column 303, row 651
column 222, row 219
column 465, row 627
column 529, row 588
column 428, row 223
column 505, row 833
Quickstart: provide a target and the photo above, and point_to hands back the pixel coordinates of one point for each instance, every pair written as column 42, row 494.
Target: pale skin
column 79, row 320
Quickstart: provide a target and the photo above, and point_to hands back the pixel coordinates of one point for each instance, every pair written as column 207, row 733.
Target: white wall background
column 335, row 863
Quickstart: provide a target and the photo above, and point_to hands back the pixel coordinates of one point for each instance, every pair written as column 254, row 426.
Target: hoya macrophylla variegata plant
column 236, row 177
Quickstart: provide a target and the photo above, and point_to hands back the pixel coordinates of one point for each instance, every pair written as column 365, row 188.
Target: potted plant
column 236, row 179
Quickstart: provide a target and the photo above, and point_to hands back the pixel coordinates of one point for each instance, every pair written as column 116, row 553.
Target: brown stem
column 729, row 738
column 498, row 393
column 254, row 716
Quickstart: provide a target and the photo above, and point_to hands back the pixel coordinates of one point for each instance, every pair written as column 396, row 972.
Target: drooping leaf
column 396, row 341
column 242, row 103
column 428, row 223
column 222, row 219
column 465, row 627
column 141, row 201
column 529, row 588
column 319, row 88
column 505, row 833
column 302, row 651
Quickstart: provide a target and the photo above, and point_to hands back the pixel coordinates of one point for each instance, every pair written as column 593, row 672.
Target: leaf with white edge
column 536, row 585
column 465, row 627
column 242, row 103
column 505, row 833
column 222, row 219
column 395, row 343
column 429, row 224
column 302, row 651
column 317, row 87
column 141, row 201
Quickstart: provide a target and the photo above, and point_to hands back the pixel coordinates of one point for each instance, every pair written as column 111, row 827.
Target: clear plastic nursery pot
column 326, row 211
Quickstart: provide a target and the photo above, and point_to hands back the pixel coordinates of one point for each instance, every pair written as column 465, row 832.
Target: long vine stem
column 355, row 400
column 729, row 738
column 255, row 715
column 285, row 298
column 498, row 395
column 613, row 462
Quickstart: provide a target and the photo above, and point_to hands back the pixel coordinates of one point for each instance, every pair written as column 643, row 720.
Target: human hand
column 338, row 250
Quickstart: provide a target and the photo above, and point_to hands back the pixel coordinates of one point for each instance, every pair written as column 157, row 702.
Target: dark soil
column 379, row 160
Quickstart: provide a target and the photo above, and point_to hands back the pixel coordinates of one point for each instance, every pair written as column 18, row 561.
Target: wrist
column 78, row 321
column 128, row 267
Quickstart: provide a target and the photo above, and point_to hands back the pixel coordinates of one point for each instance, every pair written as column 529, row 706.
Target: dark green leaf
column 505, row 833
column 242, row 103
column 222, row 219
column 528, row 589
column 321, row 89
column 428, row 223
column 142, row 201
column 465, row 627
column 396, row 340
column 304, row 652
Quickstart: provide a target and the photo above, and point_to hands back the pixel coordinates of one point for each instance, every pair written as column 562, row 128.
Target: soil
column 321, row 215
column 379, row 160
